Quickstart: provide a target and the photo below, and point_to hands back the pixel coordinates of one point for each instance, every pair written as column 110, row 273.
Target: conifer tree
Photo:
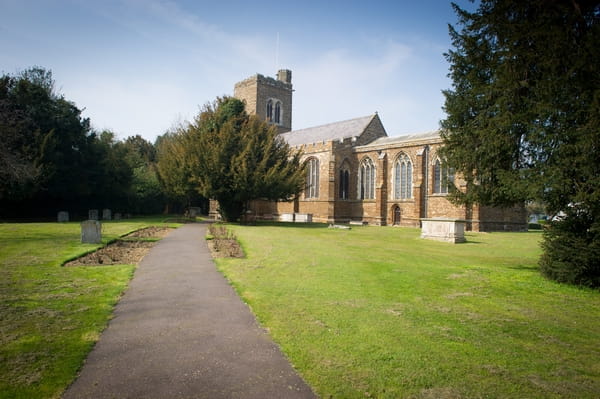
column 523, row 120
column 236, row 158
column 173, row 169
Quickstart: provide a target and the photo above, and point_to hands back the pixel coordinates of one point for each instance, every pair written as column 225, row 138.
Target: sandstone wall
column 258, row 89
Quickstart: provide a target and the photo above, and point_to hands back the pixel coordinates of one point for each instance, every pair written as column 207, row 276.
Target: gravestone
column 93, row 214
column 359, row 223
column 195, row 211
column 303, row 217
column 443, row 229
column 117, row 216
column 91, row 232
column 339, row 226
column 106, row 214
column 286, row 217
column 63, row 216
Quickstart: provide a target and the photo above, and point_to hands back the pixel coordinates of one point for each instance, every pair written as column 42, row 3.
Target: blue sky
column 143, row 66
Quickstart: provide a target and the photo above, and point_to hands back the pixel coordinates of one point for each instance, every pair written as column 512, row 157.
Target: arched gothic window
column 366, row 179
column 403, row 178
column 277, row 118
column 344, row 183
column 312, row 178
column 442, row 177
column 269, row 110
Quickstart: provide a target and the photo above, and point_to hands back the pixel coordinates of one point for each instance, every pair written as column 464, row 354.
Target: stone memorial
column 93, row 214
column 339, row 226
column 106, row 214
column 91, row 232
column 195, row 211
column 358, row 223
column 303, row 217
column 63, row 216
column 286, row 217
column 443, row 229
column 117, row 216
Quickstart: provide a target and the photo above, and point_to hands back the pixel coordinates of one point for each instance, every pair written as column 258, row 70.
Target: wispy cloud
column 138, row 65
column 342, row 84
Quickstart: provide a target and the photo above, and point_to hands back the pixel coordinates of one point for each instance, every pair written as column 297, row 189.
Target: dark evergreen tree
column 50, row 159
column 48, row 132
column 18, row 167
column 237, row 158
column 174, row 171
column 523, row 119
column 144, row 195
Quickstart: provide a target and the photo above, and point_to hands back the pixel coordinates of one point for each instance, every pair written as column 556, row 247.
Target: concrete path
column 180, row 331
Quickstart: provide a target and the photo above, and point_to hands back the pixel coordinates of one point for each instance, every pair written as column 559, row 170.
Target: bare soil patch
column 223, row 244
column 150, row 232
column 129, row 250
column 118, row 253
column 225, row 248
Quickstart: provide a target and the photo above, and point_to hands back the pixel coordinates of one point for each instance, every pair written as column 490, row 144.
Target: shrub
column 572, row 251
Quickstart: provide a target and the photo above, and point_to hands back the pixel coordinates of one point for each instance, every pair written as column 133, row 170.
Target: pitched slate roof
column 433, row 135
column 331, row 131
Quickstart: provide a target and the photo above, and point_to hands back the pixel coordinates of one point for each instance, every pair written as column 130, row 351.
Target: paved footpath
column 181, row 331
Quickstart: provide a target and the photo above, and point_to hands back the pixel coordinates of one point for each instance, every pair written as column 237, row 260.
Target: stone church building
column 356, row 172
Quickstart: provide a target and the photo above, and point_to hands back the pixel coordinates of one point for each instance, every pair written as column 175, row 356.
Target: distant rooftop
column 432, row 135
column 331, row 131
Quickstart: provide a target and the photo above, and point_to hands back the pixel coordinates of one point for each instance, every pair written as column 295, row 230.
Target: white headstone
column 91, row 232
column 63, row 216
column 106, row 214
column 286, row 217
column 303, row 217
column 93, row 214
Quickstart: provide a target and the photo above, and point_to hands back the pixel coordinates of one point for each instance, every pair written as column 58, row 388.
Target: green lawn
column 378, row 312
column 50, row 316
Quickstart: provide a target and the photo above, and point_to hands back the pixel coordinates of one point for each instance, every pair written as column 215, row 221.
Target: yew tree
column 236, row 158
column 523, row 120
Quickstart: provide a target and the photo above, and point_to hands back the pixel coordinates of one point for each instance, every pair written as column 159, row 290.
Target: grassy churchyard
column 378, row 312
column 50, row 316
column 367, row 312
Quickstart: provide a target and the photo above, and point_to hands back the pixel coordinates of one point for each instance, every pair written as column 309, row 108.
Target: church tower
column 269, row 98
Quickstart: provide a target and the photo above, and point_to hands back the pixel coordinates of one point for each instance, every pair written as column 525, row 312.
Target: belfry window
column 277, row 118
column 403, row 178
column 442, row 177
column 344, row 183
column 366, row 179
column 312, row 179
column 270, row 111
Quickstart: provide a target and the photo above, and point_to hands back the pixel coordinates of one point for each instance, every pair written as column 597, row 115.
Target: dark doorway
column 396, row 215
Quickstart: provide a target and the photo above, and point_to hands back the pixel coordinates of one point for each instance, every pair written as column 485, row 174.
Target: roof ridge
column 429, row 135
column 331, row 123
